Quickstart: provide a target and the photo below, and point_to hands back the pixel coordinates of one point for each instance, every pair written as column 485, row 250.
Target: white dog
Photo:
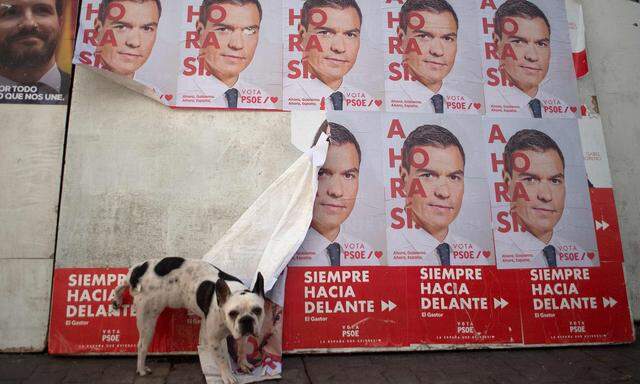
column 188, row 283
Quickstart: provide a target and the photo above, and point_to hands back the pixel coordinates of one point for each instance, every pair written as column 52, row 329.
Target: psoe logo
column 577, row 327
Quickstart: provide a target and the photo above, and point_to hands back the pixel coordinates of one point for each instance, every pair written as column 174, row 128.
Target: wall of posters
column 397, row 56
column 454, row 208
column 480, row 250
column 432, row 52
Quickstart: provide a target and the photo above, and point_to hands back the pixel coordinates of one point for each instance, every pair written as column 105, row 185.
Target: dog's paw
column 245, row 366
column 228, row 378
column 144, row 372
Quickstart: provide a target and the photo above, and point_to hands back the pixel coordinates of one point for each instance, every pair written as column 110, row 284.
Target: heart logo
column 486, row 254
column 274, row 99
column 477, row 106
column 573, row 108
column 168, row 97
column 378, row 254
column 591, row 255
column 378, row 102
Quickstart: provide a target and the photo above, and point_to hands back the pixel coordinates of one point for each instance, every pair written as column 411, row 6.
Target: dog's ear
column 258, row 287
column 222, row 292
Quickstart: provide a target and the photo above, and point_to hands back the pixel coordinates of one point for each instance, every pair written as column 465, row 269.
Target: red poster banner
column 374, row 307
column 83, row 322
column 574, row 305
column 606, row 221
column 344, row 308
column 476, row 305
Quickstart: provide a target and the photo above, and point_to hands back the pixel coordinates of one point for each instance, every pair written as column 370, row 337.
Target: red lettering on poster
column 488, row 4
column 392, row 20
column 399, row 71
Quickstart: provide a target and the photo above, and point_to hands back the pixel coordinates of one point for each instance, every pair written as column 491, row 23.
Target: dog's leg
column 221, row 357
column 117, row 298
column 146, row 320
column 243, row 363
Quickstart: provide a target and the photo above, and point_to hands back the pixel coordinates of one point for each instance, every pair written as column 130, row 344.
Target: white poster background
column 560, row 85
column 265, row 70
column 473, row 221
column 595, row 152
column 466, row 75
column 366, row 221
column 576, row 224
column 366, row 74
column 159, row 72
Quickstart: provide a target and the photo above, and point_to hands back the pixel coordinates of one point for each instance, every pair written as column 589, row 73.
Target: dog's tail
column 116, row 303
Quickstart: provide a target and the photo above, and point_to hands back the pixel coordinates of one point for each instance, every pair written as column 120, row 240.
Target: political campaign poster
column 575, row 17
column 432, row 51
column 84, row 322
column 574, row 305
column 601, row 189
column 230, row 55
column 132, row 42
column 528, row 66
column 437, row 200
column 332, row 58
column 36, row 45
column 349, row 205
column 541, row 210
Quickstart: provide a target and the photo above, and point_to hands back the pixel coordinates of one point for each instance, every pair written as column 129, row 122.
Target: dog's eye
column 257, row 311
column 233, row 314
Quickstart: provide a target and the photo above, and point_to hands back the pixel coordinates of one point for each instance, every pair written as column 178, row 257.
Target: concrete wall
column 31, row 146
column 613, row 46
column 144, row 181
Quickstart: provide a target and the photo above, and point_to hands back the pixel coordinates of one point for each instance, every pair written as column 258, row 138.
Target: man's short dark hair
column 204, row 8
column 104, row 5
column 528, row 139
column 337, row 4
column 433, row 6
column 517, row 8
column 429, row 135
column 339, row 135
column 59, row 7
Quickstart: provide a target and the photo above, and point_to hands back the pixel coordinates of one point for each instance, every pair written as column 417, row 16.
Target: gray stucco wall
column 31, row 144
column 142, row 180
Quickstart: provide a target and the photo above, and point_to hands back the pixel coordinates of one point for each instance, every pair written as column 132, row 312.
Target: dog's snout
column 246, row 325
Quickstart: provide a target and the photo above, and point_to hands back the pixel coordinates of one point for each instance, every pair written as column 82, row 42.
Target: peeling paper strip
column 264, row 239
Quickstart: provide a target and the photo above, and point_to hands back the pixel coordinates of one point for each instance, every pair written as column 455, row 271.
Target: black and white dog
column 189, row 283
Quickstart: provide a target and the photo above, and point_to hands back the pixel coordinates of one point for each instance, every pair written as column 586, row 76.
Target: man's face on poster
column 530, row 43
column 236, row 35
column 337, row 187
column 134, row 26
column 544, row 184
column 29, row 31
column 339, row 40
column 430, row 45
column 434, row 188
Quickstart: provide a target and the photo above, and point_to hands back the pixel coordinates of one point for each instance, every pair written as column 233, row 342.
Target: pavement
column 601, row 364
